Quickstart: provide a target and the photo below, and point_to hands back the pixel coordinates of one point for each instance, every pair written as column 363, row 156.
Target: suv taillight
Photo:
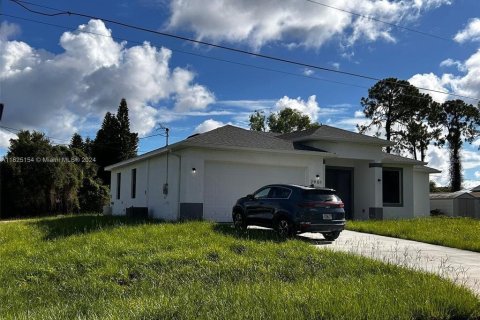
column 313, row 204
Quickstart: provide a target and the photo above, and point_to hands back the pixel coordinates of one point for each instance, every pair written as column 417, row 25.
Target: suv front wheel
column 239, row 221
column 331, row 236
column 283, row 227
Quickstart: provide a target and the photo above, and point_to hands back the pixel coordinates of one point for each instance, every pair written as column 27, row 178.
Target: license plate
column 327, row 216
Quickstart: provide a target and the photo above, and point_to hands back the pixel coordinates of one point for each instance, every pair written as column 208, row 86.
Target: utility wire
column 16, row 130
column 190, row 53
column 381, row 21
column 259, row 55
column 209, row 57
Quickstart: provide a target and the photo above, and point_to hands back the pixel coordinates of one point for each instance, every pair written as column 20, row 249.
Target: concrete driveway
column 461, row 266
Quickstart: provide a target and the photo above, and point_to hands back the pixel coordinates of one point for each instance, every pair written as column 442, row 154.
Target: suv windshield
column 320, row 195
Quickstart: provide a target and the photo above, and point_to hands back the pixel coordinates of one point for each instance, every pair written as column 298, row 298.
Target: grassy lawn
column 461, row 233
column 93, row 267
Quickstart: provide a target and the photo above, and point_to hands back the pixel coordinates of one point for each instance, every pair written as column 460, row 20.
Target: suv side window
column 262, row 193
column 280, row 193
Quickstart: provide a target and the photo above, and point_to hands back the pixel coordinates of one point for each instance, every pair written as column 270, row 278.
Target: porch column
column 375, row 211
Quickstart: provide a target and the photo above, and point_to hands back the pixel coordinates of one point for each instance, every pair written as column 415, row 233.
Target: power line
column 190, row 53
column 208, row 57
column 379, row 20
column 259, row 55
column 16, row 131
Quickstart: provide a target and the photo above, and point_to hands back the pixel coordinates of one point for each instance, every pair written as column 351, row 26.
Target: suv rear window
column 320, row 195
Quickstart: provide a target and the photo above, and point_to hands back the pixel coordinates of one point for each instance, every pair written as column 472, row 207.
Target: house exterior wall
column 405, row 211
column 151, row 177
column 119, row 205
column 364, row 188
column 194, row 189
column 188, row 190
column 421, row 191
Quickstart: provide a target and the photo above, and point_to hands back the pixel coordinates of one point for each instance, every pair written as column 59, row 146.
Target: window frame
column 133, row 185
column 119, row 184
column 400, row 189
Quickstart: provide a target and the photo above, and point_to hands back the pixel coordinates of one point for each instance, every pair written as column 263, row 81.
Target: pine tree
column 128, row 140
column 76, row 142
column 114, row 141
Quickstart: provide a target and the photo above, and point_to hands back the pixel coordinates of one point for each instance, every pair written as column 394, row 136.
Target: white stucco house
column 203, row 175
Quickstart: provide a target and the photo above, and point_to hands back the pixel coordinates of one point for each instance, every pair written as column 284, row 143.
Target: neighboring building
column 203, row 175
column 456, row 204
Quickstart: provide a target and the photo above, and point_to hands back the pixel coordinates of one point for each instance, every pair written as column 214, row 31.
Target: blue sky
column 62, row 79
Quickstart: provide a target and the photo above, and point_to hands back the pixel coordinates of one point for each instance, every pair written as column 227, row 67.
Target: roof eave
column 232, row 148
column 144, row 156
column 424, row 168
column 381, row 143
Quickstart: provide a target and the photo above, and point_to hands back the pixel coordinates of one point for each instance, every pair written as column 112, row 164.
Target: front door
column 341, row 179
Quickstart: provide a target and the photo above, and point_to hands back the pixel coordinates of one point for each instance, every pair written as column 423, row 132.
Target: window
column 320, row 195
column 280, row 193
column 134, row 183
column 119, row 182
column 392, row 187
column 262, row 193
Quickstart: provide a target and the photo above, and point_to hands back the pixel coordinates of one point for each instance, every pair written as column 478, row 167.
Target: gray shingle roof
column 231, row 136
column 388, row 157
column 449, row 195
column 328, row 133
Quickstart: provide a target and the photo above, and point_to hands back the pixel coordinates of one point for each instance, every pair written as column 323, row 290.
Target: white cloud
column 5, row 137
column 477, row 174
column 438, row 158
column 309, row 107
column 453, row 63
column 252, row 105
column 208, row 125
column 467, row 84
column 8, row 30
column 470, row 33
column 308, row 72
column 57, row 92
column 294, row 23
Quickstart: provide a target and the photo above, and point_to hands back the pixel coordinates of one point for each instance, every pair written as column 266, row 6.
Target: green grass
column 461, row 233
column 93, row 267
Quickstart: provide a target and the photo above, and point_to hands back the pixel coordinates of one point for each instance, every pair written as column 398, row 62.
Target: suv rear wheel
column 239, row 221
column 283, row 227
column 331, row 236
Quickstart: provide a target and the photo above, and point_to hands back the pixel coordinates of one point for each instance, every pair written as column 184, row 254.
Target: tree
column 419, row 129
column 40, row 179
column 76, row 142
column 128, row 140
column 284, row 121
column 257, row 121
column 461, row 122
column 114, row 141
column 390, row 102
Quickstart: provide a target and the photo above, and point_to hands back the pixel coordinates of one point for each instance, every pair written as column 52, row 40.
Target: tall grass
column 461, row 233
column 94, row 267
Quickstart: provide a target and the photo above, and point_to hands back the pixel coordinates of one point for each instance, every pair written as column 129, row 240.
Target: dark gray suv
column 291, row 209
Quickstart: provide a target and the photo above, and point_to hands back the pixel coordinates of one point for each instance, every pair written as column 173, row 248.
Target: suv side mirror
column 250, row 197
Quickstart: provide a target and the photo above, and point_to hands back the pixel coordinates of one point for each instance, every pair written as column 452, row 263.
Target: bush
column 436, row 213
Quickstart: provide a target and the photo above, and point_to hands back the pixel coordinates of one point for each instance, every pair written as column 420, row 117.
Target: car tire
column 331, row 236
column 239, row 221
column 284, row 227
